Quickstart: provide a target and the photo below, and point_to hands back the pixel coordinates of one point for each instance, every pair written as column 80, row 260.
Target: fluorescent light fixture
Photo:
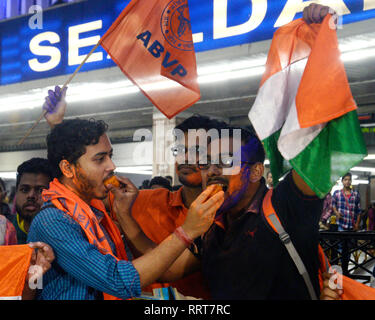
column 77, row 93
column 92, row 91
column 358, row 47
column 358, row 55
column 226, row 66
column 363, row 169
column 357, row 182
column 365, row 125
column 357, row 42
column 364, row 47
column 145, row 170
column 231, row 75
column 8, row 175
column 370, row 157
column 266, row 162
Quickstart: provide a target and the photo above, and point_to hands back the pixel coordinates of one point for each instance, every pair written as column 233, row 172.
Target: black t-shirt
column 249, row 261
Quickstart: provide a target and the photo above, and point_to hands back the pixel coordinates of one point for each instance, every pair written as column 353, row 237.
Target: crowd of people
column 342, row 210
column 100, row 241
column 159, row 182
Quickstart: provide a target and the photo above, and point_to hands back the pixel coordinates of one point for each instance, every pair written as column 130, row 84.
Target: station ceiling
column 223, row 97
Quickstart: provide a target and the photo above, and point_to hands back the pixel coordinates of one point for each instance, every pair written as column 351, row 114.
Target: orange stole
column 67, row 201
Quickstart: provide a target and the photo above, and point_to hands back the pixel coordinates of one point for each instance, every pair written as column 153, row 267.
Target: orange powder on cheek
column 238, row 182
column 194, row 178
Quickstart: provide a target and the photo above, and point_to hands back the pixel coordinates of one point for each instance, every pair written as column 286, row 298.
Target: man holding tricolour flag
column 310, row 123
column 264, row 243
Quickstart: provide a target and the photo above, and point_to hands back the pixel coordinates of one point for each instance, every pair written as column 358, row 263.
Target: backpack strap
column 273, row 220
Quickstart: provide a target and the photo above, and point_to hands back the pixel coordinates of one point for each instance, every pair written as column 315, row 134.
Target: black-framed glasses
column 182, row 150
column 224, row 162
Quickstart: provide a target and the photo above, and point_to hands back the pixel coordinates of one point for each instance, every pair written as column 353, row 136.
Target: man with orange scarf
column 92, row 259
column 159, row 212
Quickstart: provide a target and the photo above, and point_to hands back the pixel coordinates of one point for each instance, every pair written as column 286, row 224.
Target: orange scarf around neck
column 65, row 200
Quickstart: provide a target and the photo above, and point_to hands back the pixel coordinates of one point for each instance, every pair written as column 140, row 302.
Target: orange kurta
column 159, row 212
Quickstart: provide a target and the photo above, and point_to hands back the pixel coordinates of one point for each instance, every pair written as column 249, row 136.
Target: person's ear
column 257, row 171
column 66, row 169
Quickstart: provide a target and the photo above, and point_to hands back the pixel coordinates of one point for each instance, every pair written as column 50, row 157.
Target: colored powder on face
column 194, row 178
column 238, row 185
column 247, row 152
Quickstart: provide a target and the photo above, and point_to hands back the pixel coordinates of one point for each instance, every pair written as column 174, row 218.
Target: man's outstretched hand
column 55, row 105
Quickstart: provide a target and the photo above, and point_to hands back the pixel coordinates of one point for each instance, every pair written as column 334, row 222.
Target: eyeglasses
column 182, row 150
column 224, row 162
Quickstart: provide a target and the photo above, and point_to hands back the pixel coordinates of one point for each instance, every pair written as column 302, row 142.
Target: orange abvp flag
column 151, row 41
column 14, row 264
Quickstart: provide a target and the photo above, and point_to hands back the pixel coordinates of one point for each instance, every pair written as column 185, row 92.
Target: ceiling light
column 8, row 175
column 145, row 170
column 356, row 182
column 358, row 55
column 357, row 42
column 231, row 75
column 365, row 125
column 363, row 169
column 216, row 72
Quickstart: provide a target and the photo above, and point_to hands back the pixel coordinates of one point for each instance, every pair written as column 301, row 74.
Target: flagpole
column 64, row 86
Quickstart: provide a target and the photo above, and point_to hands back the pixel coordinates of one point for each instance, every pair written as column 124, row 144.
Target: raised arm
column 55, row 105
column 314, row 13
column 199, row 219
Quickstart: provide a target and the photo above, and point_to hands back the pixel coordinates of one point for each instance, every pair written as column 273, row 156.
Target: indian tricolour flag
column 304, row 111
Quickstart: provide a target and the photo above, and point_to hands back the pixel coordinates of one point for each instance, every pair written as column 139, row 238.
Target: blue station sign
column 53, row 42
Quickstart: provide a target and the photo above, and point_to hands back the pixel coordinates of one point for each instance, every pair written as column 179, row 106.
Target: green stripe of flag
column 338, row 148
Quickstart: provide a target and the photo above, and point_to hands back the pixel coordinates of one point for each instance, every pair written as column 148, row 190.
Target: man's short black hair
column 201, row 122
column 145, row 184
column 160, row 181
column 68, row 140
column 35, row 166
column 348, row 174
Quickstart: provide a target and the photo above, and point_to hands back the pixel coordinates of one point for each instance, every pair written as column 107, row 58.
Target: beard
column 27, row 216
column 236, row 191
column 231, row 201
column 85, row 185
